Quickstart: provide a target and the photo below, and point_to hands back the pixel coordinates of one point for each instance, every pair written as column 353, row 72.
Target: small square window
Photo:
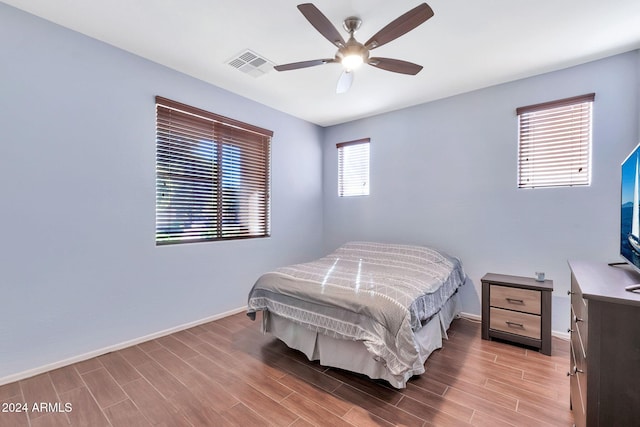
column 353, row 168
column 554, row 144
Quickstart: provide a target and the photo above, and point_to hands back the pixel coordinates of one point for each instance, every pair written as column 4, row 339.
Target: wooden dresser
column 517, row 309
column 605, row 345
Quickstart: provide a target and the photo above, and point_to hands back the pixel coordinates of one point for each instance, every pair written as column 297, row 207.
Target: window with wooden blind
column 554, row 144
column 212, row 176
column 353, row 168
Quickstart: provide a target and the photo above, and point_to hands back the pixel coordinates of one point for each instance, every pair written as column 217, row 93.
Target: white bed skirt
column 353, row 355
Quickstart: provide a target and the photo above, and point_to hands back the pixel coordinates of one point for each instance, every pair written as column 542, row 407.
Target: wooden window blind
column 212, row 176
column 554, row 144
column 353, row 168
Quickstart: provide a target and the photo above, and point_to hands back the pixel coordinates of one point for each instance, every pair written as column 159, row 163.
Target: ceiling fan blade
column 321, row 23
column 302, row 64
column 400, row 26
column 345, row 81
column 396, row 65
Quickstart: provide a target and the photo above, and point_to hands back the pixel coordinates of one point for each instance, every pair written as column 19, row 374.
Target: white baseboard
column 476, row 318
column 470, row 316
column 562, row 335
column 49, row 367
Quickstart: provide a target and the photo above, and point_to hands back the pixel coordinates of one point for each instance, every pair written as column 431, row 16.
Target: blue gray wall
column 444, row 174
column 79, row 268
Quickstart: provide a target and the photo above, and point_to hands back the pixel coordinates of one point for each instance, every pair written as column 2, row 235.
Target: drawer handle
column 514, row 324
column 570, row 293
column 574, row 371
column 576, row 319
column 569, row 330
column 515, row 301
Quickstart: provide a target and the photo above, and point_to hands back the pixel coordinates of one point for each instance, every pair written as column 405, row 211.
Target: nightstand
column 517, row 309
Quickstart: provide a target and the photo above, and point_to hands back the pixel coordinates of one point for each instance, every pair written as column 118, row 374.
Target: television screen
column 630, row 209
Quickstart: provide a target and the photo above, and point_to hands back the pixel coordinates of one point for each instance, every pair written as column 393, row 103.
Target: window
column 353, row 168
column 212, row 176
column 554, row 147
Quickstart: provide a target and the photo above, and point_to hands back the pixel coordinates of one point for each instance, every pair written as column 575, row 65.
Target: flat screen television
column 630, row 209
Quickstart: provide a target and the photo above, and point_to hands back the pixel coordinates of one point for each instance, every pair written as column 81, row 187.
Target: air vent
column 251, row 63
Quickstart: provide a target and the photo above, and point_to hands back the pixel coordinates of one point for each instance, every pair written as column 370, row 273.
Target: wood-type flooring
column 226, row 373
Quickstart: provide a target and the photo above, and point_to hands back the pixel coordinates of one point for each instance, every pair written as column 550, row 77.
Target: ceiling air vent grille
column 251, row 63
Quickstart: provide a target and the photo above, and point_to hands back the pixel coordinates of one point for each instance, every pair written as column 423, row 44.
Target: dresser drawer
column 579, row 330
column 580, row 366
column 578, row 390
column 524, row 300
column 514, row 322
column 578, row 303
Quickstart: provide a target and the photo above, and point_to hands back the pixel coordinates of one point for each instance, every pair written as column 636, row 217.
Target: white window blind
column 353, row 168
column 212, row 176
column 554, row 147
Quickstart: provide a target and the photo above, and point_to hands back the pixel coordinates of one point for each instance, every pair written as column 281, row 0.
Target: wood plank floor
column 226, row 373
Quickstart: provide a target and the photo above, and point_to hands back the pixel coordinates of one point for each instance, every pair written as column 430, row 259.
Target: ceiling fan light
column 351, row 62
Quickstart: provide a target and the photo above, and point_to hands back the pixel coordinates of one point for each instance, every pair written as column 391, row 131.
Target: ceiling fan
column 351, row 54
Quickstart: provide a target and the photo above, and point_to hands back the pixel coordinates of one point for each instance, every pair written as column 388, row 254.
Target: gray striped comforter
column 371, row 292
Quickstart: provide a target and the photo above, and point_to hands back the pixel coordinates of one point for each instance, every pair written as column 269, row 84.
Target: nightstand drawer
column 525, row 300
column 514, row 322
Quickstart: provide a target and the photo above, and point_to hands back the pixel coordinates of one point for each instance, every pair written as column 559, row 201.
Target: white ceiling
column 467, row 45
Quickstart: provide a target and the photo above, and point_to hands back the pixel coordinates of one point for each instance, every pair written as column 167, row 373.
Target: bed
column 372, row 308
